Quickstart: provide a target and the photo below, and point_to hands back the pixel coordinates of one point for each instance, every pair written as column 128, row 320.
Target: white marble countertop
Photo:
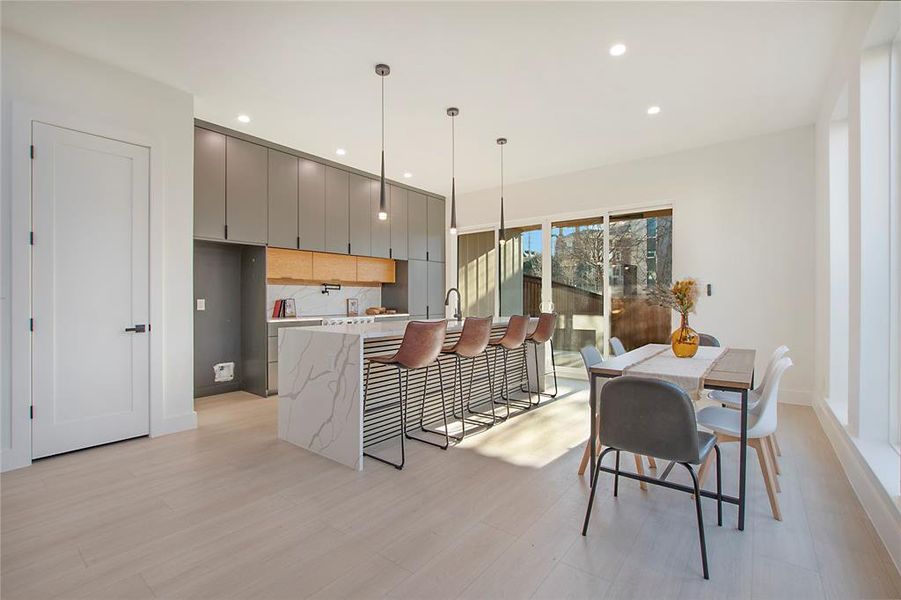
column 387, row 329
column 311, row 318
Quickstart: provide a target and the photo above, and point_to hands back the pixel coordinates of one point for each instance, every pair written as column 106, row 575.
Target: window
column 520, row 291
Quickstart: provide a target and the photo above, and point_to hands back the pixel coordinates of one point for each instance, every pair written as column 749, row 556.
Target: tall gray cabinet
column 209, row 184
column 397, row 215
column 283, row 181
column 418, row 223
column 336, row 210
column 359, row 216
column 246, row 191
column 311, row 204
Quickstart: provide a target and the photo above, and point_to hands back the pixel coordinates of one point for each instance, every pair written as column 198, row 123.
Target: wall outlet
column 201, row 304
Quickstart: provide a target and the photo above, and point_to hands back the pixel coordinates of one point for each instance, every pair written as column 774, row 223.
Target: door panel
column 90, row 262
column 246, row 191
column 436, row 229
column 209, row 184
column 282, row 200
column 436, row 290
column 417, row 284
column 359, row 219
column 381, row 230
column 397, row 214
column 418, row 226
column 336, row 213
column 311, row 205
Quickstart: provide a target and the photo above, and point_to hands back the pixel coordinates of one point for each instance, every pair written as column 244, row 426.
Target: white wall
column 742, row 221
column 47, row 83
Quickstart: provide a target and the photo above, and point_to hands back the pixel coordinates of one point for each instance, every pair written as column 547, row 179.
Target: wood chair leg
column 639, row 467
column 586, row 456
column 776, row 445
column 705, row 467
column 772, row 448
column 652, row 463
column 768, row 476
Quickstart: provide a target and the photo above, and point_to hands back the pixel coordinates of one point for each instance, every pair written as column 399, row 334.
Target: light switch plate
column 201, row 304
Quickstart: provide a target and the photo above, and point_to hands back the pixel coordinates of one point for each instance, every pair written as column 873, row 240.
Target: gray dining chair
column 617, row 346
column 708, row 340
column 655, row 418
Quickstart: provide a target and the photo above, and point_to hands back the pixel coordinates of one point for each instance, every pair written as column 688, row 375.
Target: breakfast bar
column 322, row 387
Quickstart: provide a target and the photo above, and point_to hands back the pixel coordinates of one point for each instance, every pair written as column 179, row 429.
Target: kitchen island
column 321, row 386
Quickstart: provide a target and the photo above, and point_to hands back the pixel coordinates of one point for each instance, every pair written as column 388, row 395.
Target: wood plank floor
column 228, row 511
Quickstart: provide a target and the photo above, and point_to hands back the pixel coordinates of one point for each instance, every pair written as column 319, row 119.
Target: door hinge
column 226, row 232
column 31, row 412
column 31, row 324
column 31, row 151
column 31, row 238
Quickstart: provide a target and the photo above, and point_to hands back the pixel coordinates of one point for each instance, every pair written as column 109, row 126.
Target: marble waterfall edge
column 320, row 395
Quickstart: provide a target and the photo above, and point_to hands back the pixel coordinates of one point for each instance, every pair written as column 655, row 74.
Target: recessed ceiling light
column 617, row 49
column 653, row 110
column 244, row 118
column 340, row 151
column 408, row 175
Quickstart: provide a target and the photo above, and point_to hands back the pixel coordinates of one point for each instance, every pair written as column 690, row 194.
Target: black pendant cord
column 453, row 112
column 383, row 71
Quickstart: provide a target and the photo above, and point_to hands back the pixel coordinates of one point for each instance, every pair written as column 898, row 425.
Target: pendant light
column 453, row 112
column 383, row 71
column 501, row 234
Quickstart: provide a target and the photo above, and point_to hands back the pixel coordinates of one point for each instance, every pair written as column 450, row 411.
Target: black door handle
column 137, row 328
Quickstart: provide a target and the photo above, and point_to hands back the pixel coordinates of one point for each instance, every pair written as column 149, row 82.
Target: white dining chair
column 762, row 423
column 733, row 399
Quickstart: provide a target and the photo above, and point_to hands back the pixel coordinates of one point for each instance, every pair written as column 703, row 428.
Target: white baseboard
column 877, row 503
column 10, row 459
column 175, row 424
column 799, row 397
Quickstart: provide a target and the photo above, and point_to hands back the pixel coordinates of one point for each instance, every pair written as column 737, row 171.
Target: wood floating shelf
column 300, row 267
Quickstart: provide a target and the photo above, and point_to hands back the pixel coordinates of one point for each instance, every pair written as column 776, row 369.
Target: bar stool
column 514, row 338
column 472, row 343
column 418, row 349
column 544, row 332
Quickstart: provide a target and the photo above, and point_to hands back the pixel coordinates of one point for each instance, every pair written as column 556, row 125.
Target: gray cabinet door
column 397, row 215
column 381, row 230
column 436, row 290
column 282, row 200
column 209, row 184
column 246, row 191
column 436, row 229
column 418, row 283
column 359, row 219
column 336, row 213
column 418, row 230
column 311, row 204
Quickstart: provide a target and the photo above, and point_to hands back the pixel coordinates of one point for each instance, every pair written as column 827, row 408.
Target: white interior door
column 90, row 205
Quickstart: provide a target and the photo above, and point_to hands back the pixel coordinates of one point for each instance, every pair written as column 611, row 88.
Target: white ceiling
column 539, row 74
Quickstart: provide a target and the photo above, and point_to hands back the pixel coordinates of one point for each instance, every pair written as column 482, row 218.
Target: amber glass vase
column 685, row 340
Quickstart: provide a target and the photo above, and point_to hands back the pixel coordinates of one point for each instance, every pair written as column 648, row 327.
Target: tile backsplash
column 311, row 301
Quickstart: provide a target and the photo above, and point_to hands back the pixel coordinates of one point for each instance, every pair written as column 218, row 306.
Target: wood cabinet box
column 284, row 264
column 379, row 270
column 334, row 268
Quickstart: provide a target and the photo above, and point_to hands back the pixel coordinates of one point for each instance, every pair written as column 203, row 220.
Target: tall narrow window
column 476, row 273
column 520, row 292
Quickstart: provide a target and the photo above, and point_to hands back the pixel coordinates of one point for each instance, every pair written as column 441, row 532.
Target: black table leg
column 743, row 460
column 592, row 404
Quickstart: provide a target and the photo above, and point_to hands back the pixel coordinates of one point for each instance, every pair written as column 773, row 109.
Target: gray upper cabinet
column 359, row 219
column 418, row 225
column 311, row 204
column 336, row 210
column 282, row 200
column 209, row 184
column 418, row 296
column 381, row 230
column 435, row 300
column 397, row 215
column 436, row 229
column 246, row 191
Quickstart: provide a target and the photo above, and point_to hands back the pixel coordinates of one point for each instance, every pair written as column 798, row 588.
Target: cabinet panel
column 397, row 215
column 209, row 184
column 334, row 267
column 289, row 264
column 336, row 210
column 418, row 225
column 381, row 230
column 311, row 204
column 282, row 200
column 417, row 273
column 435, row 300
column 436, row 229
column 359, row 218
column 379, row 270
column 246, row 191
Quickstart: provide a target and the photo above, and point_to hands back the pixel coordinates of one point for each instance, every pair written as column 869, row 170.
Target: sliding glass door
column 520, row 281
column 477, row 273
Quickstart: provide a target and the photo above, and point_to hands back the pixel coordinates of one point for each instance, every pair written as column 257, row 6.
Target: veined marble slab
column 320, row 391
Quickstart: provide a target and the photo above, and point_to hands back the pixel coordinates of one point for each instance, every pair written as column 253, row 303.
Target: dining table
column 731, row 371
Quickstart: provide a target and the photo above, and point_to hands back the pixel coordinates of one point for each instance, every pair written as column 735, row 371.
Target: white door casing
column 90, row 211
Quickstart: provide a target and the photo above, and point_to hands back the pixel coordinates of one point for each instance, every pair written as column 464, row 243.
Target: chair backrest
column 777, row 354
column 515, row 335
column 616, row 345
column 766, row 411
column 474, row 337
column 421, row 344
column 590, row 356
column 708, row 340
column 545, row 328
column 649, row 416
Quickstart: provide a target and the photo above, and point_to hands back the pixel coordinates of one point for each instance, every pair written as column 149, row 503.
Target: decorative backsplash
column 310, row 300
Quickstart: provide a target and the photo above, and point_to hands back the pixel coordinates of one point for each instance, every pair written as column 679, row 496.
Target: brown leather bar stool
column 419, row 349
column 472, row 343
column 544, row 332
column 514, row 338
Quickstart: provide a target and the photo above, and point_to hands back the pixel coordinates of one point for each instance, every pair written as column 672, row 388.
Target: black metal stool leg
column 422, row 427
column 719, row 487
column 401, row 404
column 594, row 488
column 491, row 402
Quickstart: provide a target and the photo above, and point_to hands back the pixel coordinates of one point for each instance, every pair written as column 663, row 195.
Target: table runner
column 687, row 373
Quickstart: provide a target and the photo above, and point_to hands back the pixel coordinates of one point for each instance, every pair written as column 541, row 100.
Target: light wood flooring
column 228, row 511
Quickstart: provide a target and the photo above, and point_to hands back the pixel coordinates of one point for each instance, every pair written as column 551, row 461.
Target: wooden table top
column 733, row 370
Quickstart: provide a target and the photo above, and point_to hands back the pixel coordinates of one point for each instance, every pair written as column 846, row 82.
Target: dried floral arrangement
column 681, row 297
